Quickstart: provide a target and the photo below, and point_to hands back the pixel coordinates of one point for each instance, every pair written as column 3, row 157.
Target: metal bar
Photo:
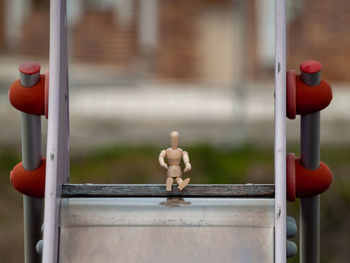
column 31, row 141
column 310, row 159
column 33, row 208
column 280, row 132
column 28, row 80
column 158, row 190
column 310, row 140
column 57, row 160
column 310, row 207
column 310, row 229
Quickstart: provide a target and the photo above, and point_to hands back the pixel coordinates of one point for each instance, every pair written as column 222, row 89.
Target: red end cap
column 312, row 182
column 310, row 66
column 29, row 67
column 312, row 99
column 30, row 100
column 30, row 183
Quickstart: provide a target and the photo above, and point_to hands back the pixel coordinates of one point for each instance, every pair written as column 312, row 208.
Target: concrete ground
column 106, row 109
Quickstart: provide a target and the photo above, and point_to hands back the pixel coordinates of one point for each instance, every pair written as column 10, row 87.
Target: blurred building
column 131, row 58
column 320, row 30
column 182, row 39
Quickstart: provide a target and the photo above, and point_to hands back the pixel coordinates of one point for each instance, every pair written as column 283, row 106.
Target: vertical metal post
column 57, row 154
column 280, row 133
column 33, row 208
column 310, row 159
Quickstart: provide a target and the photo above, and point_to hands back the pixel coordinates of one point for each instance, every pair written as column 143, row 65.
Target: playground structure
column 243, row 223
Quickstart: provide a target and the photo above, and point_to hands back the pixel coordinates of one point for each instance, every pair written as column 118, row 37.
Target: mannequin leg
column 178, row 180
column 182, row 183
column 169, row 183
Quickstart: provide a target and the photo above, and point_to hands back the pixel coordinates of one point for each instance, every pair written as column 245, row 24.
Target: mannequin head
column 174, row 139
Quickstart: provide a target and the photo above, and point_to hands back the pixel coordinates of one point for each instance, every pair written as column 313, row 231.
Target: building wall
column 193, row 38
column 215, row 46
column 99, row 37
column 34, row 40
column 2, row 25
column 320, row 30
column 175, row 56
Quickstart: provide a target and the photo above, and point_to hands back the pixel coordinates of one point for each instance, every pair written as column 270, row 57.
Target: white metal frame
column 57, row 168
column 280, row 132
column 57, row 165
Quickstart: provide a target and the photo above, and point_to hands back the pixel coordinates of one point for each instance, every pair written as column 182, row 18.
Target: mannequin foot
column 184, row 184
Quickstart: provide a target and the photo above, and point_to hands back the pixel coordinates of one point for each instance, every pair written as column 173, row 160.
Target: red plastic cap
column 31, row 183
column 29, row 67
column 310, row 66
column 312, row 99
column 31, row 101
column 311, row 182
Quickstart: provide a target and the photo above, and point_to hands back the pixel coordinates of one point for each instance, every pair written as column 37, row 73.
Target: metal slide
column 173, row 230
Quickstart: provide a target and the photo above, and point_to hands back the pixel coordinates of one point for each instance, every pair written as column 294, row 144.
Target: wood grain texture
column 158, row 190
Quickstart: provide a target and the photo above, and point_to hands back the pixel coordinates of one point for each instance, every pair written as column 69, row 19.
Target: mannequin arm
column 161, row 159
column 186, row 159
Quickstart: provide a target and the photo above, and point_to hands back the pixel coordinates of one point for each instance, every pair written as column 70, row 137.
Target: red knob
column 29, row 67
column 310, row 66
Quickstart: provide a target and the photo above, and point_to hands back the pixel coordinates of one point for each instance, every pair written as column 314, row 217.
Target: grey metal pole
column 310, row 159
column 33, row 208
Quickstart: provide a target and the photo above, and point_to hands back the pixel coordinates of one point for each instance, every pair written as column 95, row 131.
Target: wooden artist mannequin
column 174, row 156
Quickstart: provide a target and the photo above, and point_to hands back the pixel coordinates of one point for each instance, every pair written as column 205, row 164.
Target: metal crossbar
column 158, row 190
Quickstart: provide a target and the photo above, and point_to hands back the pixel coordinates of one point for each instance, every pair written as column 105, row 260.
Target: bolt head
column 29, row 67
column 310, row 66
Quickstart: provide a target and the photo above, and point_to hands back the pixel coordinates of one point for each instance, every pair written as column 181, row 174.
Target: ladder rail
column 280, row 132
column 57, row 165
column 158, row 190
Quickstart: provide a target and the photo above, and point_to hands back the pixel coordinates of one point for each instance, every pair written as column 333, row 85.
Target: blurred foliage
column 245, row 164
column 140, row 165
column 11, row 215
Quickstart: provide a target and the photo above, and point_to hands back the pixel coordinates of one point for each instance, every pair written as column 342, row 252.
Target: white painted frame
column 280, row 133
column 57, row 165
